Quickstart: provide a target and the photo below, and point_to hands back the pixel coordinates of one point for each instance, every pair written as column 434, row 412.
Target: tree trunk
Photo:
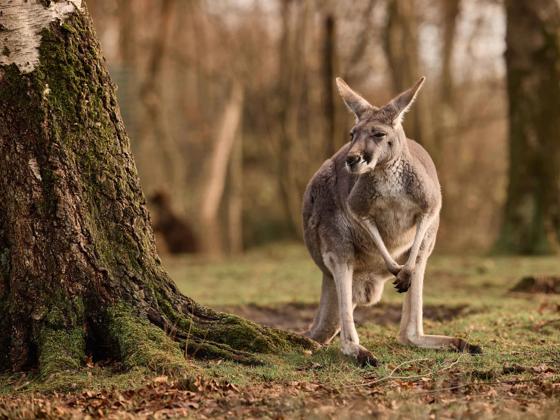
column 450, row 10
column 532, row 214
column 446, row 108
column 235, row 201
column 217, row 174
column 445, row 125
column 127, row 32
column 79, row 273
column 294, row 18
column 328, row 73
column 402, row 50
column 159, row 160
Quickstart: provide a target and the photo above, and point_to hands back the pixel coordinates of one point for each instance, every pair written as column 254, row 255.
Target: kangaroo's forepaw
column 402, row 282
column 463, row 346
column 394, row 269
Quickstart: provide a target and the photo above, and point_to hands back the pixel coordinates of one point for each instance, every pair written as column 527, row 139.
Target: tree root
column 142, row 344
column 61, row 350
column 187, row 320
column 160, row 339
column 208, row 350
column 162, row 345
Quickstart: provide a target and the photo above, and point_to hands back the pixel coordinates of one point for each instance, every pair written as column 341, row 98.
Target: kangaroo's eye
column 352, row 134
column 379, row 134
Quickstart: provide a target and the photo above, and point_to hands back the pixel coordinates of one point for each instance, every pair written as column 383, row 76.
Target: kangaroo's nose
column 351, row 160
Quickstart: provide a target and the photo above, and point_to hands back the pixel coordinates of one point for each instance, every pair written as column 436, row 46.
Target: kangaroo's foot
column 362, row 355
column 403, row 280
column 440, row 342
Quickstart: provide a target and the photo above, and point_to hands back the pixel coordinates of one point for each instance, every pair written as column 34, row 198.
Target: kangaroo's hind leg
column 326, row 324
column 342, row 270
column 411, row 327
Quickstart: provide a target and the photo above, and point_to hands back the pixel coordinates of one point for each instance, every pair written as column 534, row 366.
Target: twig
column 390, row 376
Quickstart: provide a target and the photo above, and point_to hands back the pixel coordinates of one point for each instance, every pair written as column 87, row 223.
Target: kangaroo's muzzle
column 352, row 160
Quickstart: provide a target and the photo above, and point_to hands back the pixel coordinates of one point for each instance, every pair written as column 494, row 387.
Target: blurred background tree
column 532, row 213
column 231, row 108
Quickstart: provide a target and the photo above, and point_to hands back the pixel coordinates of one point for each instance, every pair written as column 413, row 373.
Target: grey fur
column 376, row 193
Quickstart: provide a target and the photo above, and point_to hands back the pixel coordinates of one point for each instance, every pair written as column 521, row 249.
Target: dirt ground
column 297, row 317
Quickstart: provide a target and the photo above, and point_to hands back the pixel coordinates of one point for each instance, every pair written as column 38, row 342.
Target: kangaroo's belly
column 396, row 221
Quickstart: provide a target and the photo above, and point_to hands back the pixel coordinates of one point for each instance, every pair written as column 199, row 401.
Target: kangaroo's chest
column 393, row 208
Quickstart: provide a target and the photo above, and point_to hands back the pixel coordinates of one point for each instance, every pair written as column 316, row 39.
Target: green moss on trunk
column 61, row 350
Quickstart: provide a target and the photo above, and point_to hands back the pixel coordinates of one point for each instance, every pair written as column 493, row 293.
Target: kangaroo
column 371, row 213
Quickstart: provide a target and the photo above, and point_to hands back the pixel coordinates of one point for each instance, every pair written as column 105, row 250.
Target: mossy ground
column 518, row 374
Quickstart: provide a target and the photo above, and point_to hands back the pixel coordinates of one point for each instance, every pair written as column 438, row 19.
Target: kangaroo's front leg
column 404, row 276
column 392, row 266
column 358, row 208
column 342, row 272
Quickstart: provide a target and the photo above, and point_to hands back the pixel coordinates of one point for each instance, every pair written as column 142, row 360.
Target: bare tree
column 402, row 51
column 160, row 163
column 532, row 213
column 218, row 170
column 328, row 72
column 446, row 121
column 127, row 32
column 450, row 10
column 235, row 197
column 290, row 88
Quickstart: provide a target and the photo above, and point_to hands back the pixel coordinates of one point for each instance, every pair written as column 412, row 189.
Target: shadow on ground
column 297, row 316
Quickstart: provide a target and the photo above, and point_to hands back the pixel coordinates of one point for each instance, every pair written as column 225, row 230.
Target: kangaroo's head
column 378, row 136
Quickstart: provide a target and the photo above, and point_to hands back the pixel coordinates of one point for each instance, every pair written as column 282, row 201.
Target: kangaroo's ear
column 353, row 101
column 400, row 104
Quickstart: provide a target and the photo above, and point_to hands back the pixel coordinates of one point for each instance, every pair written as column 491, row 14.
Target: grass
column 275, row 274
column 519, row 371
column 285, row 273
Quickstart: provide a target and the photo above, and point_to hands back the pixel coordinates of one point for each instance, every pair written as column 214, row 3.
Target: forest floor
column 517, row 376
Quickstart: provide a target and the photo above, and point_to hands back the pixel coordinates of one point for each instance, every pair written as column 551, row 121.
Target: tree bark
column 79, row 273
column 532, row 213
